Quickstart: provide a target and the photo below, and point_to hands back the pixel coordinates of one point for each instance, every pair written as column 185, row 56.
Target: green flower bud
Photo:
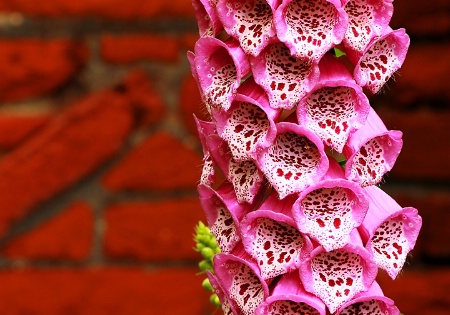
column 208, row 253
column 205, row 265
column 207, row 285
column 214, row 299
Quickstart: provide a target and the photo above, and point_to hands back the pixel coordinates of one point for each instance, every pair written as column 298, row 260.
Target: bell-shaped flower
column 330, row 209
column 310, row 28
column 371, row 151
column 337, row 276
column 271, row 238
column 218, row 68
column 248, row 21
column 290, row 298
column 245, row 176
column 389, row 230
column 239, row 278
column 248, row 126
column 371, row 302
column 208, row 176
column 383, row 56
column 336, row 107
column 285, row 78
column 223, row 214
column 366, row 19
column 295, row 160
column 208, row 22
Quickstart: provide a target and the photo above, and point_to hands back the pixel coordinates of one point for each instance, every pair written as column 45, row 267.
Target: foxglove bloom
column 372, row 151
column 366, row 19
column 330, row 209
column 336, row 107
column 208, row 21
column 218, row 67
column 337, row 276
column 294, row 161
column 248, row 21
column 371, row 302
column 382, row 57
column 285, row 78
column 271, row 238
column 289, row 297
column 389, row 230
column 310, row 28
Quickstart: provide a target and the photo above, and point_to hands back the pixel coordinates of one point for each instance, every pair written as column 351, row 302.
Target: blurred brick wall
column 99, row 160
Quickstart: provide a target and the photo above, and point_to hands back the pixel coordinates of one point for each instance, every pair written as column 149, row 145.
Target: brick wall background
column 99, row 160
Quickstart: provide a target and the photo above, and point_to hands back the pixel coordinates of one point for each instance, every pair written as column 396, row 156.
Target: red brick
column 419, row 292
column 102, row 291
column 148, row 104
column 16, row 128
column 160, row 162
column 152, row 231
column 424, row 155
column 70, row 147
column 115, row 9
column 423, row 76
column 123, row 49
column 32, row 67
column 66, row 236
column 434, row 239
column 422, row 17
column 191, row 104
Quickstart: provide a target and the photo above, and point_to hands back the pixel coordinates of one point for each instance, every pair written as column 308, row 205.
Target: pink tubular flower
column 336, row 107
column 245, row 176
column 208, row 22
column 285, row 78
column 295, row 160
column 223, row 214
column 366, row 19
column 271, row 238
column 372, row 302
column 248, row 126
column 389, row 230
column 310, row 28
column 330, row 209
column 337, row 276
column 219, row 68
column 239, row 277
column 289, row 297
column 371, row 151
column 221, row 294
column 248, row 21
column 382, row 57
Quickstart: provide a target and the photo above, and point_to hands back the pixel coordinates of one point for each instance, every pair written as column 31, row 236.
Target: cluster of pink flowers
column 299, row 232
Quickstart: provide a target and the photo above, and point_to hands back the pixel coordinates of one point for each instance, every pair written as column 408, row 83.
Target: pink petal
column 228, row 307
column 295, row 160
column 240, row 280
column 219, row 67
column 284, row 78
column 248, row 126
column 372, row 151
column 330, row 209
column 366, row 19
column 390, row 230
column 336, row 107
column 290, row 298
column 383, row 56
column 271, row 238
column 310, row 28
column 337, row 276
column 208, row 176
column 245, row 176
column 207, row 19
column 223, row 214
column 372, row 302
column 248, row 21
